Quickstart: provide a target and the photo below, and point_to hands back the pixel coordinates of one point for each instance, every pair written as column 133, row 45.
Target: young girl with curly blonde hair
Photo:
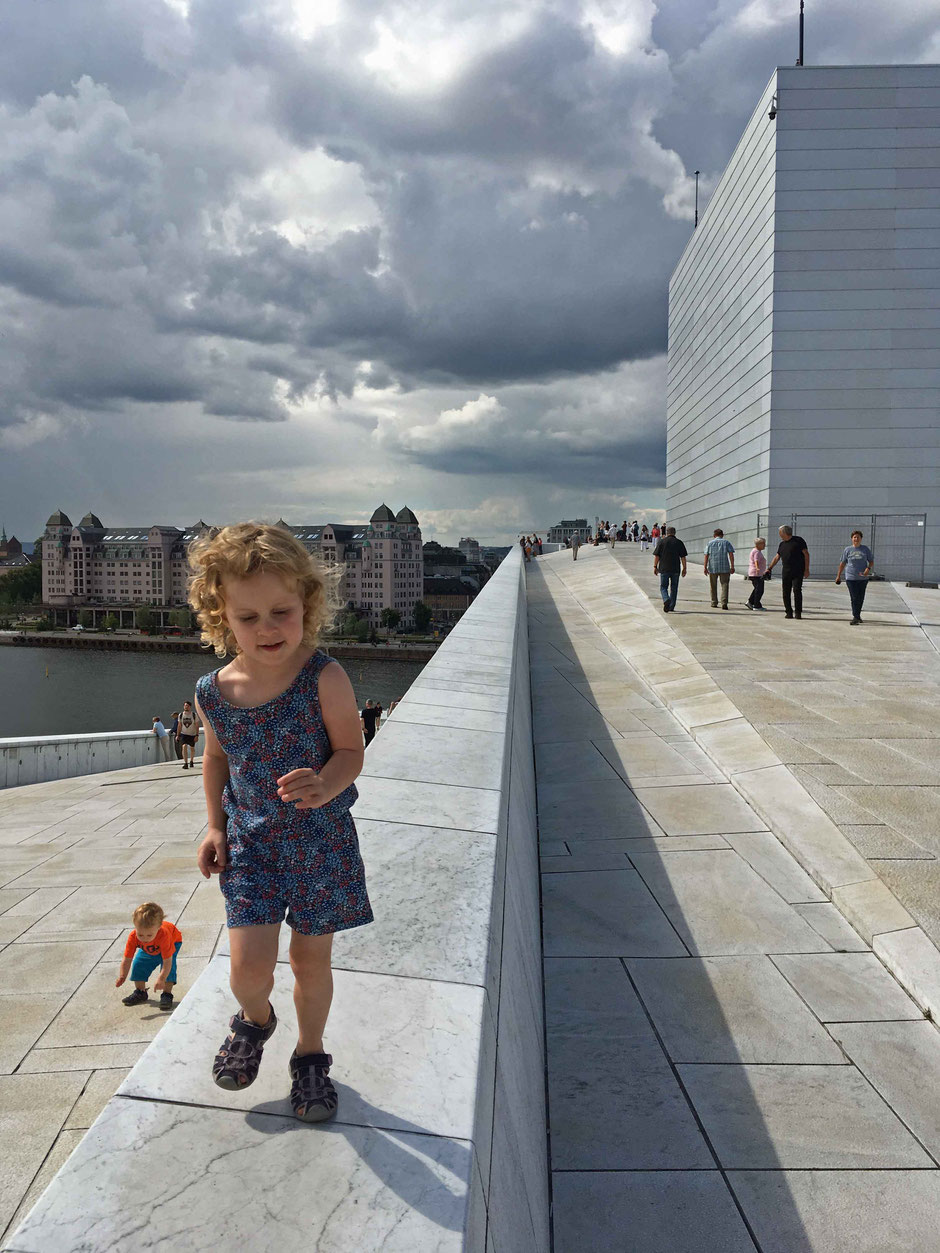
column 283, row 746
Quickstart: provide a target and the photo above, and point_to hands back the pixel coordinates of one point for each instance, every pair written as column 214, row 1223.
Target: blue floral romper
column 280, row 859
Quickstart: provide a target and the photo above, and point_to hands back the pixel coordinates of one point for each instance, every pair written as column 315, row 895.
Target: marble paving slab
column 399, row 1192
column 829, row 923
column 902, row 1061
column 719, row 905
column 600, row 812
column 452, row 715
column 80, row 1057
column 32, row 1111
column 95, row 1015
column 23, row 1019
column 445, row 755
column 614, row 1102
column 730, row 1009
column 405, row 1051
column 604, row 914
column 708, row 809
column 101, row 908
column 764, row 853
column 398, row 800
column 647, row 1212
column 847, row 987
column 842, row 1211
column 53, row 969
column 798, row 1117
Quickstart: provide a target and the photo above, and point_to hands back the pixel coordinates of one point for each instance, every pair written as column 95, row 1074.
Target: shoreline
column 177, row 644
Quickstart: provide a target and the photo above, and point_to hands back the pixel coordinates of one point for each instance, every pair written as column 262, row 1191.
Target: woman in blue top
column 856, row 567
column 283, row 746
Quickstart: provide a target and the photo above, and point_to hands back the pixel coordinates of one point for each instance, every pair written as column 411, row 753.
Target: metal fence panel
column 898, row 540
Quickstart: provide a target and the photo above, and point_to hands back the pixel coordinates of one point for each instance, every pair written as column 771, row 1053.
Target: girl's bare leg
column 254, row 955
column 310, row 957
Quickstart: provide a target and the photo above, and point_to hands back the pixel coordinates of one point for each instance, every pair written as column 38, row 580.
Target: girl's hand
column 303, row 788
column 212, row 854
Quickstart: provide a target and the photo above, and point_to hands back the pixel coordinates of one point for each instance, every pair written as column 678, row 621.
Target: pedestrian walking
column 719, row 566
column 793, row 556
column 538, row 545
column 163, row 738
column 369, row 717
column 644, row 538
column 669, row 557
column 188, row 734
column 283, row 748
column 575, row 545
column 856, row 568
column 756, row 570
column 655, row 533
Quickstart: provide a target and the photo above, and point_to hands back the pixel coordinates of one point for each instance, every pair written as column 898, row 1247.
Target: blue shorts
column 146, row 963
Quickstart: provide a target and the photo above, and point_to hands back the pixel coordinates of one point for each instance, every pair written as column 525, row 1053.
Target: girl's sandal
column 312, row 1095
column 237, row 1061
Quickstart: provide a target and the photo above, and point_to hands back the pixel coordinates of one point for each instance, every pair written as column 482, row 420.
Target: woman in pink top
column 756, row 569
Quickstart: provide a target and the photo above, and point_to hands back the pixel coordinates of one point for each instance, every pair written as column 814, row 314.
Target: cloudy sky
column 297, row 257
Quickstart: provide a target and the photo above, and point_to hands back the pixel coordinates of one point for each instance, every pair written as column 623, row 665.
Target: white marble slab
column 604, row 914
column 847, row 987
column 435, row 754
column 428, row 804
column 405, row 1051
column 212, row 1178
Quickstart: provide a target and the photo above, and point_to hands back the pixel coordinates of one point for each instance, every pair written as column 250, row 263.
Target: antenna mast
column 697, row 172
column 800, row 59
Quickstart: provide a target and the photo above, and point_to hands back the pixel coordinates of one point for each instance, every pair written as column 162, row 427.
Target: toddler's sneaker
column 166, row 1000
column 313, row 1097
column 137, row 997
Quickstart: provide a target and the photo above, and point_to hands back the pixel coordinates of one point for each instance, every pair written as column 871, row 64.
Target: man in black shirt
column 793, row 556
column 369, row 716
column 668, row 555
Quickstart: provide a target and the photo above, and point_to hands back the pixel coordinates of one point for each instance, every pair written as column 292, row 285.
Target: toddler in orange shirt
column 153, row 942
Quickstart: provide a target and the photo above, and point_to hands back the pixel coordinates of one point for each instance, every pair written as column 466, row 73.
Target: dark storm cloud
column 509, row 196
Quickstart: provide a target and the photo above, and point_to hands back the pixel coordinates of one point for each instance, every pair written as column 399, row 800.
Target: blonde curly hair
column 247, row 548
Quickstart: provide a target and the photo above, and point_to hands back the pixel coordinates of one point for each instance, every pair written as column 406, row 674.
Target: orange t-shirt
column 163, row 942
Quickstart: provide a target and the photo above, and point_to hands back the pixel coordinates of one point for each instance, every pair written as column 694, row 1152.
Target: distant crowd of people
column 531, row 546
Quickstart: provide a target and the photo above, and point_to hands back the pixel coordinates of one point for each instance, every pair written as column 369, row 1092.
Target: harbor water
column 53, row 691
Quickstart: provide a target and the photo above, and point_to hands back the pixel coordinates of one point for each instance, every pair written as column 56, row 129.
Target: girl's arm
column 305, row 787
column 211, row 856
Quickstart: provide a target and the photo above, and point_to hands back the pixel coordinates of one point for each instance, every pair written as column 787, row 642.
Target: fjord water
column 89, row 690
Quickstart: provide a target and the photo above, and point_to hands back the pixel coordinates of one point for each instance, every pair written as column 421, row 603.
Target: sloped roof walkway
column 730, row 1064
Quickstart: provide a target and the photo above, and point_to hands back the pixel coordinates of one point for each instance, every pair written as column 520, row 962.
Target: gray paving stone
column 603, row 811
column 624, row 1110
column 720, row 906
column 23, row 1019
column 730, row 1009
column 901, row 1060
column 842, row 1211
column 80, row 1057
column 917, row 884
column 709, row 809
column 63, row 1146
column 871, row 907
column 829, row 923
column 847, row 987
column 881, row 841
column 578, row 862
column 764, row 853
column 32, row 1111
column 798, row 1117
column 99, row 1089
column 604, row 914
column 649, row 1211
column 646, row 757
column 51, row 969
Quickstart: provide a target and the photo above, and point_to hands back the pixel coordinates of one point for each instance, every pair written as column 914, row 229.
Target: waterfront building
column 447, row 598
column 115, row 570
column 804, row 363
column 12, row 556
column 567, row 529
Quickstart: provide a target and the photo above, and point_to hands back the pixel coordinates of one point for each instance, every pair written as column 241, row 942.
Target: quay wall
column 39, row 758
column 394, row 651
column 437, row 1028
